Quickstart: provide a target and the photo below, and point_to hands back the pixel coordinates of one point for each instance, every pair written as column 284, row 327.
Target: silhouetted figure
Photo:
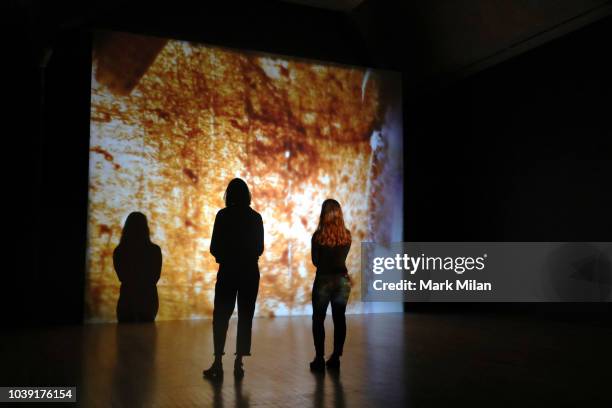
column 237, row 242
column 330, row 246
column 138, row 263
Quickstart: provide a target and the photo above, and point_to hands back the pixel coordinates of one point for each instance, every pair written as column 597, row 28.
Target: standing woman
column 330, row 246
column 236, row 244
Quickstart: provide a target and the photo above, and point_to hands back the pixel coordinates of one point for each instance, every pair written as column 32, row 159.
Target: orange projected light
column 173, row 122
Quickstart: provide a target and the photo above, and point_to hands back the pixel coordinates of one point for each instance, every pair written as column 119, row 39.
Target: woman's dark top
column 238, row 236
column 329, row 260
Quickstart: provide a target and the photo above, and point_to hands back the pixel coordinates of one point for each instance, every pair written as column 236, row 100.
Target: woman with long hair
column 237, row 242
column 138, row 263
column 330, row 246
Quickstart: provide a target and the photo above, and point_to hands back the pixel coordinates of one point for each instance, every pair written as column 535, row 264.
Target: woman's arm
column 215, row 244
column 345, row 250
column 117, row 264
column 314, row 251
column 259, row 237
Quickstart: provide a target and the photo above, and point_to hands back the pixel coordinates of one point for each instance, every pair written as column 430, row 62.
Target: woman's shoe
column 333, row 363
column 318, row 364
column 238, row 370
column 215, row 372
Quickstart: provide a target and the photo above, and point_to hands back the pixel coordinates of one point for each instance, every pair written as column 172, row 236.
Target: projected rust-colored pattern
column 173, row 122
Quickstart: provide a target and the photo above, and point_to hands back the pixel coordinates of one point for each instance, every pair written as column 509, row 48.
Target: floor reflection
column 240, row 398
column 318, row 397
column 389, row 361
column 385, row 344
column 338, row 389
column 217, row 392
column 242, row 401
column 335, row 398
column 132, row 376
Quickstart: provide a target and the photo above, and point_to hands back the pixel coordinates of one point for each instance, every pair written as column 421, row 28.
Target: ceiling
column 340, row 5
column 432, row 42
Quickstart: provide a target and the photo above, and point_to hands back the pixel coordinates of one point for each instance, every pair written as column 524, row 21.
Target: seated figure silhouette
column 237, row 242
column 138, row 263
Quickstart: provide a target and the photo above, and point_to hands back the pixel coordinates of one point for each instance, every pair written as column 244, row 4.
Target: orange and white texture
column 173, row 122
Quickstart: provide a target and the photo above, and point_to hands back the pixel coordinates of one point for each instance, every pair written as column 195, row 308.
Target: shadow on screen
column 138, row 263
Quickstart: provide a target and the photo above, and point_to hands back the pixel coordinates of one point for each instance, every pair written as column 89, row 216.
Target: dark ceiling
column 431, row 42
column 448, row 39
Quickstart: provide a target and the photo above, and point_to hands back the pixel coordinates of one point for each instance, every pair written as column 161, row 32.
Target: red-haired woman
column 330, row 246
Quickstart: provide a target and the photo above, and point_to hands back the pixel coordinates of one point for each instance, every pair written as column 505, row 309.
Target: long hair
column 331, row 230
column 237, row 193
column 135, row 230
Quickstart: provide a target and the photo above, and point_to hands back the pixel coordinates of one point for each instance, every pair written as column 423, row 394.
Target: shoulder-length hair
column 135, row 230
column 237, row 193
column 331, row 230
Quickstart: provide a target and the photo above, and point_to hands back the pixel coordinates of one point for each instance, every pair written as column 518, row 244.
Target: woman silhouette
column 236, row 244
column 138, row 263
column 330, row 245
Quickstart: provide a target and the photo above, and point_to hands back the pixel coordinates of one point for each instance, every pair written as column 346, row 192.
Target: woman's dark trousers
column 334, row 289
column 241, row 283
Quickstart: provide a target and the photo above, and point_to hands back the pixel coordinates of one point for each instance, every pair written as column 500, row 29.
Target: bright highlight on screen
column 173, row 122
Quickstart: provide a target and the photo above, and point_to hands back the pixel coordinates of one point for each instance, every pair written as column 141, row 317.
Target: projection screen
column 172, row 122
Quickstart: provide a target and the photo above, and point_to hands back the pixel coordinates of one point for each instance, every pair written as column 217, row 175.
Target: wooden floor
column 390, row 360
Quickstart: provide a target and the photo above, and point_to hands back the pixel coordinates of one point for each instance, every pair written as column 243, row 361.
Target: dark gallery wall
column 521, row 151
column 46, row 160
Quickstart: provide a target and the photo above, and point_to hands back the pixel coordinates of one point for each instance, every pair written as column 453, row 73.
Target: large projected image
column 172, row 122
